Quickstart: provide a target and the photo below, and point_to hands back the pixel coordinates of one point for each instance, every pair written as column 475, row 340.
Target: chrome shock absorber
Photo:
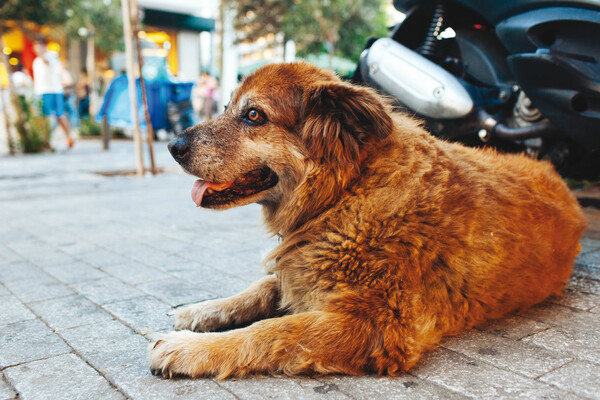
column 430, row 44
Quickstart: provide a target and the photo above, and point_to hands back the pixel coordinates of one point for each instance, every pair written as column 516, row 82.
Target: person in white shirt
column 47, row 84
column 21, row 81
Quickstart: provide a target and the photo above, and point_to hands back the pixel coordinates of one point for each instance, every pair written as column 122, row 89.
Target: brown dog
column 390, row 238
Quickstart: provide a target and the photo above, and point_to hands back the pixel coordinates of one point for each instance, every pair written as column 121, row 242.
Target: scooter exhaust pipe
column 492, row 128
column 416, row 82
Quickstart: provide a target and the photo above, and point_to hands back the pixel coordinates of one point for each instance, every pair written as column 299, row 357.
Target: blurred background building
column 181, row 39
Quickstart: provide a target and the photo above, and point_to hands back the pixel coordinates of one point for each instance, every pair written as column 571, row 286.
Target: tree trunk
column 149, row 130
column 284, row 47
column 229, row 67
column 137, row 136
column 90, row 66
column 20, row 123
column 5, row 106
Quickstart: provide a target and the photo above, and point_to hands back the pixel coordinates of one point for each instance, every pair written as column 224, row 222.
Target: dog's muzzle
column 179, row 148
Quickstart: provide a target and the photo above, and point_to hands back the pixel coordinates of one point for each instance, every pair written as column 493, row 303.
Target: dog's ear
column 340, row 117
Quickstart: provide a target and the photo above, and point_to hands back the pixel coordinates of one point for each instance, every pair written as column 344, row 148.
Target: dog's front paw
column 177, row 354
column 202, row 317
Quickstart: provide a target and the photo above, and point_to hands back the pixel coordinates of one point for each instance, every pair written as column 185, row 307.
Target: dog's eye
column 254, row 116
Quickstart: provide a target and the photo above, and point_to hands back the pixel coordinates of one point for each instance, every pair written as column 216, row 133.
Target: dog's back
column 471, row 229
column 526, row 221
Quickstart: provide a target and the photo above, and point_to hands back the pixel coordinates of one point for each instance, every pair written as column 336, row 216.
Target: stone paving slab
column 577, row 300
column 283, row 388
column 74, row 271
column 481, row 380
column 107, row 290
column 90, row 266
column 144, row 314
column 69, row 312
column 28, row 340
column 13, row 311
column 519, row 357
column 134, row 273
column 514, row 327
column 8, row 256
column 579, row 377
column 38, row 288
column 61, row 377
column 20, row 271
column 372, row 387
column 222, row 283
column 6, row 391
column 175, row 291
column 585, row 345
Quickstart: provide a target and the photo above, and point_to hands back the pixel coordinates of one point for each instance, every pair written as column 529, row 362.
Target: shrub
column 118, row 133
column 34, row 130
column 89, row 127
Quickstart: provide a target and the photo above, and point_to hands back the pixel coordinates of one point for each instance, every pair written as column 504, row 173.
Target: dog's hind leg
column 312, row 342
column 259, row 301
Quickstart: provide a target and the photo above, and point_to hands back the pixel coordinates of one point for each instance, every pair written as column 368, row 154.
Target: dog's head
column 286, row 126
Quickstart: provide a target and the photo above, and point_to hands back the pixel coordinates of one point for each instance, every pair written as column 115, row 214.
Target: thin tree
column 6, row 114
column 136, row 37
column 128, row 36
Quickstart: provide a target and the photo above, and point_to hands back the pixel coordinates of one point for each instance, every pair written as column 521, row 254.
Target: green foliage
column 34, row 132
column 89, row 127
column 355, row 32
column 340, row 27
column 255, row 19
column 42, row 12
column 117, row 133
column 578, row 184
column 100, row 16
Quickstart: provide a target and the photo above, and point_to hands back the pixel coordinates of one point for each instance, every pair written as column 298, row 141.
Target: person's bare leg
column 66, row 127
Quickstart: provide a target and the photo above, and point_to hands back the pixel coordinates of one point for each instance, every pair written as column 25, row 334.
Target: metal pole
column 137, row 135
column 105, row 133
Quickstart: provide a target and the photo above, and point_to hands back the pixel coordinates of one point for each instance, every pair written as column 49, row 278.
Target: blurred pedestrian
column 207, row 87
column 68, row 84
column 47, row 84
column 83, row 94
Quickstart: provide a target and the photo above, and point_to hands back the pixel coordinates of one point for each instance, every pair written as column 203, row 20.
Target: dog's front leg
column 317, row 341
column 257, row 302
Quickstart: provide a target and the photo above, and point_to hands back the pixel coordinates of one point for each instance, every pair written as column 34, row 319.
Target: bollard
column 105, row 133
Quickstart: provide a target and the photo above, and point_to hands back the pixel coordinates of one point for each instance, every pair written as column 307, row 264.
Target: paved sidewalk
column 90, row 265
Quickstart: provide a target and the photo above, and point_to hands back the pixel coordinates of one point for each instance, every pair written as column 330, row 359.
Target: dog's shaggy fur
column 390, row 238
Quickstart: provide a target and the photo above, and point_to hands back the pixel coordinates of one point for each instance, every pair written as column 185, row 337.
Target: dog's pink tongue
column 198, row 190
column 200, row 187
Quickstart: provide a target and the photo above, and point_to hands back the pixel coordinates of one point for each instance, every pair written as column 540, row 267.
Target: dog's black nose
column 179, row 148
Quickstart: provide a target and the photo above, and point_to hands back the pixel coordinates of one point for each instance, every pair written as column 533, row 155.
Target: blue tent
column 159, row 92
